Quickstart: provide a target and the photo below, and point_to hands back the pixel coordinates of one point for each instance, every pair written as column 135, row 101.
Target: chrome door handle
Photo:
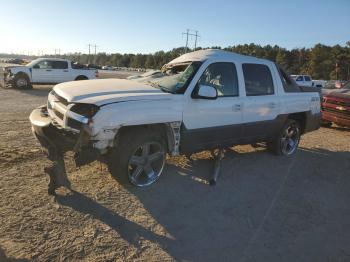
column 236, row 107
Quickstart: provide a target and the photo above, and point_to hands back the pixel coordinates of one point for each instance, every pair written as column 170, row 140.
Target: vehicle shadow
column 39, row 91
column 263, row 208
column 4, row 258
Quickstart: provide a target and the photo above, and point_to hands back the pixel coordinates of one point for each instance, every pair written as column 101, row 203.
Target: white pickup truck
column 45, row 71
column 303, row 80
column 212, row 99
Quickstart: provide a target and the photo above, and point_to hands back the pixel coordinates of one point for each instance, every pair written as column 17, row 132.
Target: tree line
column 320, row 61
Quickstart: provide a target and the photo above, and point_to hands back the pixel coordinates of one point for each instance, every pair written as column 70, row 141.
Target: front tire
column 21, row 81
column 326, row 123
column 139, row 157
column 286, row 143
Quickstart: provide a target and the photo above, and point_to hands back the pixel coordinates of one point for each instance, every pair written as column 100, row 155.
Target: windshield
column 33, row 62
column 176, row 77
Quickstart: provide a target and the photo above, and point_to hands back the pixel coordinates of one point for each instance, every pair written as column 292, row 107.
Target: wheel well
column 22, row 74
column 161, row 128
column 81, row 77
column 300, row 118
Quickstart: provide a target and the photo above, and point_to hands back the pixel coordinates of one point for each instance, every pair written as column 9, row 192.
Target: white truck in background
column 46, row 71
column 303, row 80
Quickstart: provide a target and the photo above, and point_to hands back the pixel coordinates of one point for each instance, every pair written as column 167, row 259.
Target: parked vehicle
column 212, row 99
column 319, row 83
column 336, row 106
column 107, row 68
column 45, row 71
column 93, row 66
column 303, row 80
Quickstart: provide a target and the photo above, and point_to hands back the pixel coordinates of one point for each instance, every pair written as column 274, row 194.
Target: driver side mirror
column 205, row 92
column 36, row 66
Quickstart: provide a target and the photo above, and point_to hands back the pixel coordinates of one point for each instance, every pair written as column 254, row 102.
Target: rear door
column 261, row 102
column 60, row 71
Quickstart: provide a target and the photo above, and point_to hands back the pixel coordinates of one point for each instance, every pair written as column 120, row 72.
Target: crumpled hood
column 16, row 67
column 105, row 91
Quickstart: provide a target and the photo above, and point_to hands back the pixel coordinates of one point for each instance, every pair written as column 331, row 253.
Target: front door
column 212, row 123
column 60, row 71
column 42, row 72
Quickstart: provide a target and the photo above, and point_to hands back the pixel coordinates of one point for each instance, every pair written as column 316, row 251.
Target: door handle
column 272, row 105
column 65, row 70
column 236, row 107
column 48, row 70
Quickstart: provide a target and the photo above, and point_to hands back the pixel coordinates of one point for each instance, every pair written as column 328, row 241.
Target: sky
column 149, row 26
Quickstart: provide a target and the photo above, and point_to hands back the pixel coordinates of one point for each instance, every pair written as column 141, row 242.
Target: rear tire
column 138, row 158
column 286, row 143
column 81, row 78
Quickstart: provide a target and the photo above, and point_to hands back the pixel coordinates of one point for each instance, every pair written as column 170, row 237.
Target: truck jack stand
column 217, row 166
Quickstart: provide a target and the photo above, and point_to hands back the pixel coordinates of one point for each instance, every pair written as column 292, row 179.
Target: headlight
column 86, row 110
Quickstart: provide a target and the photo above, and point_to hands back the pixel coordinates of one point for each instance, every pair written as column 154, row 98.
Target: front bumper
column 5, row 78
column 58, row 141
column 49, row 135
column 336, row 118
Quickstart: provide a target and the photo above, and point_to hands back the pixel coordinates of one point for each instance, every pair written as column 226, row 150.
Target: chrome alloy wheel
column 21, row 82
column 146, row 164
column 290, row 139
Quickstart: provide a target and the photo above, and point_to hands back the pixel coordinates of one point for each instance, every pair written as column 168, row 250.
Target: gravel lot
column 264, row 207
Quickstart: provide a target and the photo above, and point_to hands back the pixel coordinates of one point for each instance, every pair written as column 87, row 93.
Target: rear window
column 258, row 80
column 59, row 64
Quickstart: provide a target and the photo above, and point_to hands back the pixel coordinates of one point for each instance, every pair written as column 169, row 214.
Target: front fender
column 21, row 70
column 133, row 113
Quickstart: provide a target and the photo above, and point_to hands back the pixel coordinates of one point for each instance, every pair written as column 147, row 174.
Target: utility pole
column 191, row 34
column 187, row 33
column 195, row 41
column 90, row 45
column 336, row 71
column 95, row 46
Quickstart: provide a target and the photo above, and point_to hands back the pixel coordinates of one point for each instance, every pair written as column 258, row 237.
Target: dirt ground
column 264, row 207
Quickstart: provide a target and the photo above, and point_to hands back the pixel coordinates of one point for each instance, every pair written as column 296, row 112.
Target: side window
column 299, row 78
column 222, row 76
column 258, row 80
column 59, row 64
column 307, row 78
column 44, row 65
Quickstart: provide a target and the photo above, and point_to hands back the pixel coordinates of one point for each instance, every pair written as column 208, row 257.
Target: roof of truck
column 202, row 55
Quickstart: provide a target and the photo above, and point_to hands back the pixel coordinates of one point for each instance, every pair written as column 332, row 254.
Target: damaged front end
column 56, row 141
